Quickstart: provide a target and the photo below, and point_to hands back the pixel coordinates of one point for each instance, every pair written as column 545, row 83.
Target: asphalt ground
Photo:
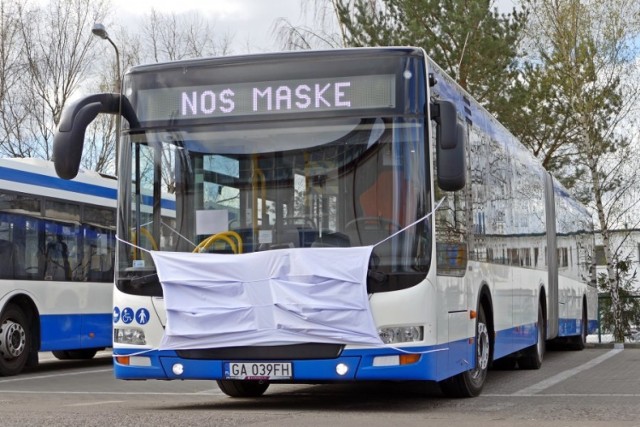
column 597, row 387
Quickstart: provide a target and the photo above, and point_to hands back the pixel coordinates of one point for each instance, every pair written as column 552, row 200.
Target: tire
column 15, row 340
column 533, row 356
column 578, row 343
column 471, row 382
column 235, row 388
column 81, row 354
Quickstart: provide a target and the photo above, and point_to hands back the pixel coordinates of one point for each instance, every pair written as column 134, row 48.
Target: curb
column 626, row 346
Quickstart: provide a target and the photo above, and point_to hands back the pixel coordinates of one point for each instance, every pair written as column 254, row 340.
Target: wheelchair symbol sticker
column 116, row 314
column 127, row 315
column 142, row 316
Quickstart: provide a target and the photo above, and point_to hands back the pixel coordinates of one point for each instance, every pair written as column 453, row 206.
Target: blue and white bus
column 341, row 215
column 57, row 245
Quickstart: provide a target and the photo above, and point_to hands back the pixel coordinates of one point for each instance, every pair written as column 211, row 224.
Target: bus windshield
column 294, row 184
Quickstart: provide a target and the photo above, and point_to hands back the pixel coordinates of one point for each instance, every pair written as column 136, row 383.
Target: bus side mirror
column 445, row 115
column 451, row 141
column 68, row 141
column 452, row 163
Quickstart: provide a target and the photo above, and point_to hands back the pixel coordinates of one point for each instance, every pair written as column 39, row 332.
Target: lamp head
column 99, row 30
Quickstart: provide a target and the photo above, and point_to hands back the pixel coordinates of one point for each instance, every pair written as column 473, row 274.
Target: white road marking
column 95, row 403
column 107, row 393
column 564, row 395
column 38, row 377
column 210, row 391
column 563, row 376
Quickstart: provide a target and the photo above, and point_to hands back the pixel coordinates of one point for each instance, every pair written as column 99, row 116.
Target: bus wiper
column 148, row 279
column 147, row 284
column 377, row 276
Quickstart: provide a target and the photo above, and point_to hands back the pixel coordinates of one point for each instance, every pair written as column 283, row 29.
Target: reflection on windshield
column 261, row 140
column 330, row 184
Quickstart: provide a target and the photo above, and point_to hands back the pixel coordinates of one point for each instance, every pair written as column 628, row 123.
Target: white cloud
column 249, row 22
column 219, row 8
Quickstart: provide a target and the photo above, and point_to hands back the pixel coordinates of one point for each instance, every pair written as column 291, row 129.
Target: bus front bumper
column 430, row 363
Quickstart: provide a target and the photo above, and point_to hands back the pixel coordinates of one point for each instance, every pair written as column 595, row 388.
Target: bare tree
column 13, row 112
column 327, row 30
column 161, row 37
column 174, row 36
column 48, row 56
column 56, row 45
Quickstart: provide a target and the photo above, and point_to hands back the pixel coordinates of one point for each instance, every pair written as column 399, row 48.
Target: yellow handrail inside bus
column 258, row 178
column 238, row 239
column 236, row 246
column 307, row 182
column 146, row 233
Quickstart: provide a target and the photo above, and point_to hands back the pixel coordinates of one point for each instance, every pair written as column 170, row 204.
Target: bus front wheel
column 470, row 383
column 15, row 340
column 236, row 388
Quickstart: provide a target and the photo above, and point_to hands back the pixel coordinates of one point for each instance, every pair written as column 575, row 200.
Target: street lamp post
column 100, row 31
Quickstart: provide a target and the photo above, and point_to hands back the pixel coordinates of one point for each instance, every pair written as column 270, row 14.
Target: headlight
column 401, row 334
column 133, row 336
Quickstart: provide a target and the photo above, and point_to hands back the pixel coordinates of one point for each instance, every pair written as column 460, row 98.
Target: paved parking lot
column 599, row 386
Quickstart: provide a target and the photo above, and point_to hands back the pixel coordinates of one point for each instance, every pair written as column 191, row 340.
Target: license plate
column 258, row 370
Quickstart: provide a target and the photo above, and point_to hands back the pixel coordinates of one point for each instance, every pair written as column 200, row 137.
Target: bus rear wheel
column 578, row 343
column 532, row 357
column 15, row 340
column 236, row 388
column 470, row 383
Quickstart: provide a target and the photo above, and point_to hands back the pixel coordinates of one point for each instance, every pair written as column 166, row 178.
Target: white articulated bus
column 57, row 248
column 340, row 215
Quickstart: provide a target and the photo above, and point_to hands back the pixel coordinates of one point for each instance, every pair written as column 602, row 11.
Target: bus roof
column 278, row 56
column 38, row 177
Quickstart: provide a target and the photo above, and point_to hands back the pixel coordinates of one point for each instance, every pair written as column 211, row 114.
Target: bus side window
column 8, row 255
column 100, row 268
column 57, row 261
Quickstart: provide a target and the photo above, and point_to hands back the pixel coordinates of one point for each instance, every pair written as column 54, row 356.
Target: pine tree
column 474, row 44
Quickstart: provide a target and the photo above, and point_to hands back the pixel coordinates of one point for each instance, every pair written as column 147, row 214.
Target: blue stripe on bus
column 571, row 327
column 510, row 340
column 40, row 180
column 164, row 203
column 57, row 183
column 75, row 331
column 433, row 365
column 437, row 363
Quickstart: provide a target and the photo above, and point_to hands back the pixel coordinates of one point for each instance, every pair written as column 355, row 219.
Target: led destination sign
column 275, row 97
